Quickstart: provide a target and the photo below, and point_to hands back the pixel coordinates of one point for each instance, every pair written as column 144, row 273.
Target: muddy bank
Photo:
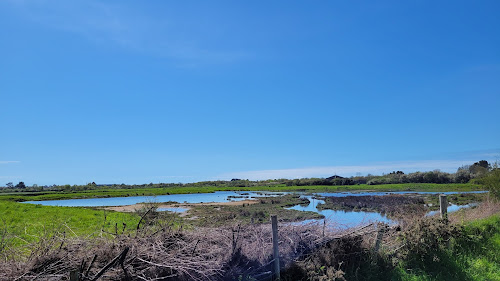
column 139, row 206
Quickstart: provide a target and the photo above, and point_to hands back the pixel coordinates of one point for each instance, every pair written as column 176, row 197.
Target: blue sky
column 182, row 91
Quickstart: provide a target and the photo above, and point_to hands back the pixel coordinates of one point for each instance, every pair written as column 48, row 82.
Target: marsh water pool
column 340, row 218
column 191, row 198
column 214, row 197
column 337, row 218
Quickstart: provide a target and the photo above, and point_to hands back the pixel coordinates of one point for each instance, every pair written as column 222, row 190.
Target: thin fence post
column 74, row 275
column 443, row 206
column 324, row 226
column 276, row 252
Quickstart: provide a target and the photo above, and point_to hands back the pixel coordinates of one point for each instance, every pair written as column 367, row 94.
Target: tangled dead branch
column 223, row 253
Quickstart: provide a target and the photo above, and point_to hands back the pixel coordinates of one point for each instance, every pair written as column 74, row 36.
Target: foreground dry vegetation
column 223, row 253
column 159, row 250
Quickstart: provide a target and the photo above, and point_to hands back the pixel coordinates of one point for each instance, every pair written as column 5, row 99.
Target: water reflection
column 337, row 218
column 173, row 209
column 218, row 196
column 340, row 218
column 193, row 198
column 451, row 209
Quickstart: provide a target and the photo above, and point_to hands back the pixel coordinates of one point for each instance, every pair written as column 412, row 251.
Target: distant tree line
column 468, row 173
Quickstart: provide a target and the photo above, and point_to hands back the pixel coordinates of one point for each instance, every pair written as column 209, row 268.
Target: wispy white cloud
column 9, row 162
column 377, row 169
column 115, row 23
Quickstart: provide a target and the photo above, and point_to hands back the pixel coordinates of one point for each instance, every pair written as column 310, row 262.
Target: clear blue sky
column 182, row 91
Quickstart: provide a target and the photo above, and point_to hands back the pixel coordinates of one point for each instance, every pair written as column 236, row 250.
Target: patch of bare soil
column 139, row 206
column 231, row 203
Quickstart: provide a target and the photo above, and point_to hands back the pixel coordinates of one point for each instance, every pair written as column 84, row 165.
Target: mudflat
column 138, row 206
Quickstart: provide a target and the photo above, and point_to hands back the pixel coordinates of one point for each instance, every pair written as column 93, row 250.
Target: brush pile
column 223, row 253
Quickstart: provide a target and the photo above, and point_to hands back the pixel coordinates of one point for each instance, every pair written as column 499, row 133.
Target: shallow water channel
column 336, row 218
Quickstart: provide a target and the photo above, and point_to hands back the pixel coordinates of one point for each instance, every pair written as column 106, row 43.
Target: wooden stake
column 324, row 225
column 74, row 275
column 276, row 252
column 378, row 240
column 443, row 205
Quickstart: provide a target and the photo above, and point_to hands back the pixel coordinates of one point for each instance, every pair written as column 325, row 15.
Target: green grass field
column 24, row 223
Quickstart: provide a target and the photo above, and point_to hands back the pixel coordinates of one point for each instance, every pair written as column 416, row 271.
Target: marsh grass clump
column 257, row 213
column 460, row 252
column 346, row 257
column 425, row 237
column 7, row 252
column 328, row 262
column 148, row 213
column 394, row 206
column 488, row 207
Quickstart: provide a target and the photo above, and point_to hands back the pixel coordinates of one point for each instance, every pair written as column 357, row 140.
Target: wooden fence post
column 324, row 226
column 378, row 238
column 74, row 275
column 276, row 252
column 443, row 206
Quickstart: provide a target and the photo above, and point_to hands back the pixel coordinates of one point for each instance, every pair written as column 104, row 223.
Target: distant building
column 334, row 177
